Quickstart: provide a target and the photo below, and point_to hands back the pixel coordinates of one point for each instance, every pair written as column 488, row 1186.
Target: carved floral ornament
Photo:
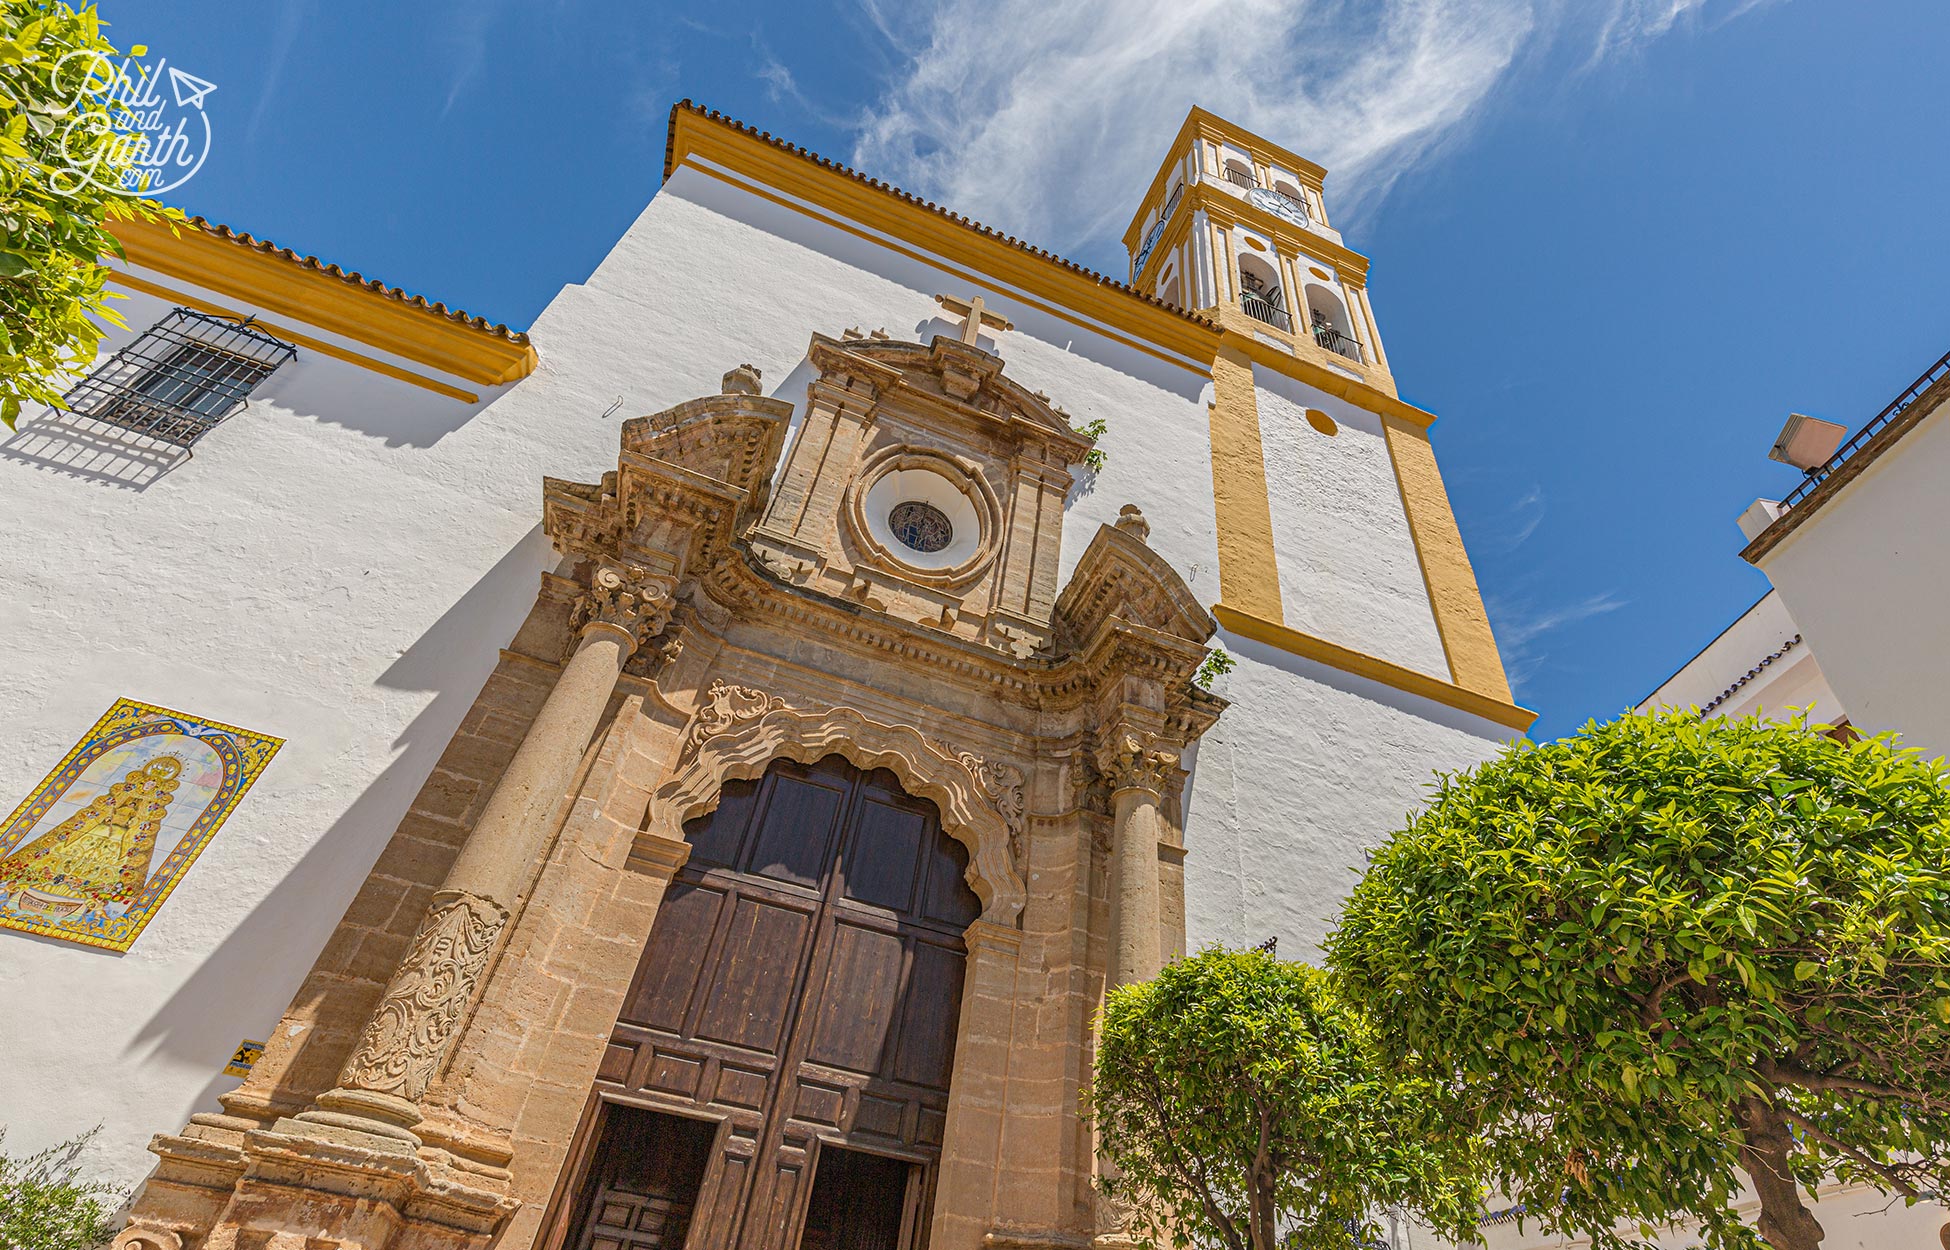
column 738, row 732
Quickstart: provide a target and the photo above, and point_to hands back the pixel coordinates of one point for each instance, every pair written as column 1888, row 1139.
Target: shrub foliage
column 1244, row 1105
column 52, row 233
column 1664, row 951
column 45, row 1205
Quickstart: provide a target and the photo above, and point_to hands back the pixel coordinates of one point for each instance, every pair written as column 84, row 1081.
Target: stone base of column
column 357, row 1117
column 217, row 1189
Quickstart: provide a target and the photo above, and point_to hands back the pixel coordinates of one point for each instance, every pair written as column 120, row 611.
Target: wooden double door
column 778, row 1077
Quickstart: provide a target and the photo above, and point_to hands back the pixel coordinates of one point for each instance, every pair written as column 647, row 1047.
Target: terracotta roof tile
column 353, row 278
column 686, row 106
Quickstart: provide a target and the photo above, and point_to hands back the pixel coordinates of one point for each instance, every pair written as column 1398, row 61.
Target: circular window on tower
column 921, row 526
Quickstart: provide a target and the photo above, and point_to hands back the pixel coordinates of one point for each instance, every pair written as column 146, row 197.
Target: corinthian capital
column 630, row 599
column 1129, row 761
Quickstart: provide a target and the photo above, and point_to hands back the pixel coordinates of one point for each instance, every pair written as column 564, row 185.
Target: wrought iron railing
column 1151, row 236
column 1265, row 310
column 1239, row 177
column 1334, row 341
column 179, row 378
column 1875, row 426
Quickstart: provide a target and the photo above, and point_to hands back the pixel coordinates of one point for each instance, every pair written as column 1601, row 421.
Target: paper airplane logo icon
column 189, row 89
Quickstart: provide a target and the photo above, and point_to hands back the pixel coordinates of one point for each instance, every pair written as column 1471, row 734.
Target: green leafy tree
column 45, row 1205
column 52, row 221
column 1666, row 951
column 1244, row 1105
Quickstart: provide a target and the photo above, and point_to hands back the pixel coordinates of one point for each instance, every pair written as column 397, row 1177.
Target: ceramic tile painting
column 94, row 851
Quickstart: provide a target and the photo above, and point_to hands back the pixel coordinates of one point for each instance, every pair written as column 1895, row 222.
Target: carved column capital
column 1130, row 761
column 631, row 600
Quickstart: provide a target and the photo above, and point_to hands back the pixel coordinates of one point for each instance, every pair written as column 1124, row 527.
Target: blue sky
column 1614, row 241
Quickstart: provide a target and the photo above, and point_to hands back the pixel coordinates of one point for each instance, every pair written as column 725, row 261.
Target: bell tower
column 1237, row 227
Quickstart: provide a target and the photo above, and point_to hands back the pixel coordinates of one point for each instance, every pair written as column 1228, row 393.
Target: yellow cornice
column 1321, row 378
column 282, row 286
column 1210, row 125
column 696, row 137
column 1388, row 673
column 1199, row 124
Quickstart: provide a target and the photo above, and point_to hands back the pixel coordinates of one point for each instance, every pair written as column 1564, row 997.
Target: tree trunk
column 1784, row 1222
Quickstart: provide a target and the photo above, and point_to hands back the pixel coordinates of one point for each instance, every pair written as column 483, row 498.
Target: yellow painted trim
column 288, row 289
column 1363, row 395
column 1388, row 673
column 878, row 209
column 292, row 336
column 1464, row 626
column 936, row 262
column 1249, row 573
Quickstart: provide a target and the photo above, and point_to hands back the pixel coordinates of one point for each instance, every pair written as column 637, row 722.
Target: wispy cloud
column 467, row 33
column 1527, row 511
column 1044, row 116
column 291, row 17
column 1524, row 627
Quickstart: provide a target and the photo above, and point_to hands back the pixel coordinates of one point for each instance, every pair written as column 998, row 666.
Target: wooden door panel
column 751, row 983
column 927, row 1030
column 795, row 833
column 859, row 998
column 883, row 856
column 686, row 923
column 802, row 983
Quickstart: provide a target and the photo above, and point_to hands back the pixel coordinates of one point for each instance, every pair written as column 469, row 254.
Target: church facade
column 713, row 751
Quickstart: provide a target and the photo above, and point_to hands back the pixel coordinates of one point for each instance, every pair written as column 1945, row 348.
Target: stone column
column 1138, row 772
column 978, row 1092
column 407, row 1040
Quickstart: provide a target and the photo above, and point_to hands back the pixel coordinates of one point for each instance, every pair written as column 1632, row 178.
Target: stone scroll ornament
column 407, row 1035
column 1002, row 785
column 630, row 599
column 724, row 706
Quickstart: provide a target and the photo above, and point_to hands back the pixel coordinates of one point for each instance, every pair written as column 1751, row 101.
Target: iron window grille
column 180, row 378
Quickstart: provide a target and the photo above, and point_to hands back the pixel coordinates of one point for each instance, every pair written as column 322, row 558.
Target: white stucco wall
column 339, row 564
column 1738, row 660
column 1868, row 579
column 322, row 570
column 1852, row 1217
column 1349, row 571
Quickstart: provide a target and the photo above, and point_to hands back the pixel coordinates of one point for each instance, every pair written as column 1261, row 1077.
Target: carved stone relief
column 407, row 1035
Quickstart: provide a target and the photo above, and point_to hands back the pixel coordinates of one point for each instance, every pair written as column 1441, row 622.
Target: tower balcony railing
column 1240, row 178
column 1152, row 235
column 1334, row 341
column 1265, row 310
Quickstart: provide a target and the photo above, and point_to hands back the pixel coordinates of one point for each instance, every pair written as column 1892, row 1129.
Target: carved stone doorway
column 801, row 988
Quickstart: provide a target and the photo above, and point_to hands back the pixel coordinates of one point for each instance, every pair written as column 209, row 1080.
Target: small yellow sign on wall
column 93, row 853
column 242, row 1059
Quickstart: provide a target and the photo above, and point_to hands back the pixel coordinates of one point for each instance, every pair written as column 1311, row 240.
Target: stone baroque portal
column 787, row 916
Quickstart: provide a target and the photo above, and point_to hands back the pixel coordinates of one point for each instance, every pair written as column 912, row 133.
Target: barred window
column 180, row 377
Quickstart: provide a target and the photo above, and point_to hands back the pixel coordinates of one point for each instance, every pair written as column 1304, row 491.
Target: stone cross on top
column 974, row 317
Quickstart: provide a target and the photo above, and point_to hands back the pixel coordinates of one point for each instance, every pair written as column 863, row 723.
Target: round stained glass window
column 921, row 526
